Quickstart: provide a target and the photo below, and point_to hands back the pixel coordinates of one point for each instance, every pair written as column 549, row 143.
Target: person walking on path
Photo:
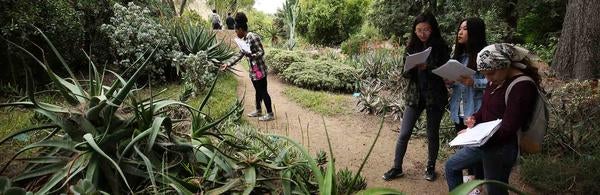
column 258, row 68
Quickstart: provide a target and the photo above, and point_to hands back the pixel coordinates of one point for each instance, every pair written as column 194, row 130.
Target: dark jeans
column 497, row 164
column 411, row 114
column 260, row 87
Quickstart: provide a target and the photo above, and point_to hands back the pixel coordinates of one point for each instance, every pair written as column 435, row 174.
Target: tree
column 577, row 55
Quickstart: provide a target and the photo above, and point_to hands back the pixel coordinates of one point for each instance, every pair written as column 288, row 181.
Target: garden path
column 351, row 136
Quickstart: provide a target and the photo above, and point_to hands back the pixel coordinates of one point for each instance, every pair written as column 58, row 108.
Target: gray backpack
column 532, row 135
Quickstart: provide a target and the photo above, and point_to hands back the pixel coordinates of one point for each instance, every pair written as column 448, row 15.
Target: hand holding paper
column 478, row 135
column 415, row 59
column 453, row 70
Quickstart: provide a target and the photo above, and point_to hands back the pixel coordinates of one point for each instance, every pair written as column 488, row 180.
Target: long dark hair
column 475, row 41
column 435, row 38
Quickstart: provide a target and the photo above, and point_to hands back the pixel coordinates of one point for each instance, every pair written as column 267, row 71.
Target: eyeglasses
column 423, row 31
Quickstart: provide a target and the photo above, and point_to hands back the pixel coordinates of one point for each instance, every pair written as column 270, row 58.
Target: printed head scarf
column 500, row 56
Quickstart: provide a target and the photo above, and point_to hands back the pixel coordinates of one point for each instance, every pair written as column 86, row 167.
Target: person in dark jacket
column 229, row 21
column 425, row 91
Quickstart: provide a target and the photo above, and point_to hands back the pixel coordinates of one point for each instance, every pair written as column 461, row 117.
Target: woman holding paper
column 251, row 47
column 425, row 91
column 501, row 64
column 468, row 91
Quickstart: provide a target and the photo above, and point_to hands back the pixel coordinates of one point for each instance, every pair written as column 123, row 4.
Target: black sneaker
column 430, row 174
column 392, row 174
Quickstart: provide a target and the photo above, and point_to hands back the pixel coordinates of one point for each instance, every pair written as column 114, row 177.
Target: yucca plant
column 108, row 138
column 193, row 38
column 291, row 9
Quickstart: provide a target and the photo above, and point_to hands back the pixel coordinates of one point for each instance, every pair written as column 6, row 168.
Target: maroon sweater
column 514, row 114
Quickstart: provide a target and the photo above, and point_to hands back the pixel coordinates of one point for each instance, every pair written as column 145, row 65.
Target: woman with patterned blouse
column 258, row 69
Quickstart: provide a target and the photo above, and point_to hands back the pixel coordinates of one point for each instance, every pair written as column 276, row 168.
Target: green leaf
column 362, row 165
column 250, row 179
column 149, row 167
column 4, row 183
column 55, row 179
column 228, row 186
column 158, row 122
column 45, row 170
column 311, row 162
column 27, row 130
column 126, row 89
column 15, row 191
column 465, row 188
column 379, row 191
column 92, row 143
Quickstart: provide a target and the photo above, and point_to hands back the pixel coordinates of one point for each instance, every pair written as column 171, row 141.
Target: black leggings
column 260, row 87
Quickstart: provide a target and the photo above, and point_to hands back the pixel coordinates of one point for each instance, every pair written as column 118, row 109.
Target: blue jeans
column 497, row 164
column 411, row 114
column 466, row 157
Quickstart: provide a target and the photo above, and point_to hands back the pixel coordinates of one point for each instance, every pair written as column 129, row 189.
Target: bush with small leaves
column 132, row 32
column 322, row 75
column 198, row 71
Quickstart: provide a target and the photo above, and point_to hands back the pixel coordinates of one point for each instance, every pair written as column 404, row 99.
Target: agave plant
column 108, row 138
column 369, row 100
column 194, row 38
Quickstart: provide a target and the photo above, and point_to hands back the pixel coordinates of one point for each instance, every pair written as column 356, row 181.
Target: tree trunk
column 577, row 54
column 182, row 7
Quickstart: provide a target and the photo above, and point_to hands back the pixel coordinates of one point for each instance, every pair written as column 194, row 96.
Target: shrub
column 575, row 118
column 354, row 45
column 197, row 72
column 321, row 74
column 133, row 32
column 278, row 59
column 565, row 175
column 330, row 22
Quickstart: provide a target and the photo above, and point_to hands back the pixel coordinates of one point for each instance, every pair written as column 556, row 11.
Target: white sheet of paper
column 478, row 135
column 415, row 59
column 452, row 70
column 242, row 45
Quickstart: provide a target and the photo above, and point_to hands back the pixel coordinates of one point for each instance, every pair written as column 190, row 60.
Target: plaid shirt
column 258, row 68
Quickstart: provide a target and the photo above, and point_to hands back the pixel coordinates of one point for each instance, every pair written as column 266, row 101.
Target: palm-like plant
column 194, row 38
column 117, row 145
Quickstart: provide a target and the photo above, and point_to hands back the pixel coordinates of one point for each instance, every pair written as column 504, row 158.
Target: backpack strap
column 513, row 83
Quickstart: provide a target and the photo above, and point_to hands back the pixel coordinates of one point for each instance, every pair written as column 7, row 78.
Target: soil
column 351, row 136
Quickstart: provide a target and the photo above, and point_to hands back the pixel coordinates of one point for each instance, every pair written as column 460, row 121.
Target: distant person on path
column 229, row 21
column 215, row 19
column 467, row 93
column 425, row 91
column 501, row 64
column 257, row 69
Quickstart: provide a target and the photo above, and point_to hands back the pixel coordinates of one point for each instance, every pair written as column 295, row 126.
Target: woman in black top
column 425, row 91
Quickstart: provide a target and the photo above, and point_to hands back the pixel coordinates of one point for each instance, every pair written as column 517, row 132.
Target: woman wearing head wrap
column 501, row 64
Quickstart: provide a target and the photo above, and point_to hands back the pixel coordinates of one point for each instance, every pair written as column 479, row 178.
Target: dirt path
column 351, row 135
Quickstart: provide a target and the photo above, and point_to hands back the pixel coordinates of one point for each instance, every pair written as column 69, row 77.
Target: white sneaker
column 267, row 117
column 256, row 113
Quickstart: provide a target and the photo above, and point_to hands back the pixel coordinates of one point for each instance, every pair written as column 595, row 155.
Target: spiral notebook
column 478, row 135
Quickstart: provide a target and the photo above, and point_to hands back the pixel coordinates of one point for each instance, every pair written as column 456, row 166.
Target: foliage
column 17, row 19
column 199, row 72
column 382, row 83
column 132, row 32
column 469, row 186
column 100, row 135
column 574, row 120
column 330, row 21
column 7, row 188
column 291, row 9
column 567, row 174
column 278, row 60
column 325, row 103
column 544, row 51
column 357, row 43
column 321, row 74
column 344, row 181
